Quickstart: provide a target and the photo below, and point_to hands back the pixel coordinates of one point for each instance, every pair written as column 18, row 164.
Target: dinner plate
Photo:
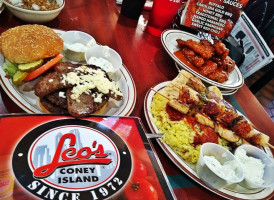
column 168, row 39
column 2, row 6
column 228, row 92
column 29, row 102
column 234, row 191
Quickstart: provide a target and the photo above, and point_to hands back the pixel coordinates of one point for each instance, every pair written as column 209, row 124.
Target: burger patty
column 53, row 108
column 85, row 106
column 53, row 80
column 56, row 99
column 56, row 95
column 55, row 104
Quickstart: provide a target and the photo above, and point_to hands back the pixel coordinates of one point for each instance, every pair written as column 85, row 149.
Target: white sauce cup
column 72, row 38
column 208, row 175
column 268, row 176
column 106, row 53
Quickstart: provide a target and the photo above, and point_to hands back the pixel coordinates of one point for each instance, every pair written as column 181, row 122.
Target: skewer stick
column 270, row 145
column 178, row 87
column 160, row 93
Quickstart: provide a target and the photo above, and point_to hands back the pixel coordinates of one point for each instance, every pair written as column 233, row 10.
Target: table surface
column 147, row 61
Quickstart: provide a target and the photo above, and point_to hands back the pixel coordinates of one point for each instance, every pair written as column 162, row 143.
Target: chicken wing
column 208, row 67
column 220, row 48
column 192, row 57
column 207, row 57
column 196, row 47
column 227, row 64
column 219, row 76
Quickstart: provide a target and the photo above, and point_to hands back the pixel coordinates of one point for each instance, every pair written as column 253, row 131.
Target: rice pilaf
column 179, row 135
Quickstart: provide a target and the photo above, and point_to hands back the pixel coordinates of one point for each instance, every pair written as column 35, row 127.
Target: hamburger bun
column 28, row 43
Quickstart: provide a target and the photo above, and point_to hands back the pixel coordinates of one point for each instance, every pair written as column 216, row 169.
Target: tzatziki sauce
column 253, row 167
column 226, row 170
column 102, row 63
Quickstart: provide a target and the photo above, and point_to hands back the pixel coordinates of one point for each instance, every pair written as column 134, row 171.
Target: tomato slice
column 32, row 75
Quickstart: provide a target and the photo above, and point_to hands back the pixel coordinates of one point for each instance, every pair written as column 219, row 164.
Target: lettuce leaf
column 10, row 68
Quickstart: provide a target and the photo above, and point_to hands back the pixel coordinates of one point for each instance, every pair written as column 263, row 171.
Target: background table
column 147, row 62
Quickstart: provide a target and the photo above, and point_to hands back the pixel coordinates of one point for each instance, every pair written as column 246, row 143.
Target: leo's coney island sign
column 59, row 160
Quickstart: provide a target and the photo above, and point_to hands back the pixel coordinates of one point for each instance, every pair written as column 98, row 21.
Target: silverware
column 152, row 135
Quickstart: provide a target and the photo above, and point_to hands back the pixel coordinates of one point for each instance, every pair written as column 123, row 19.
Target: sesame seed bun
column 28, row 43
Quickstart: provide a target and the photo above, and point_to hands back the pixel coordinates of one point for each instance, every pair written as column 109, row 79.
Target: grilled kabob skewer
column 175, row 103
column 230, row 125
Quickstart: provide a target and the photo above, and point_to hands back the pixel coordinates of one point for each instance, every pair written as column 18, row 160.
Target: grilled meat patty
column 85, row 106
column 53, row 81
column 59, row 89
column 58, row 98
column 53, row 108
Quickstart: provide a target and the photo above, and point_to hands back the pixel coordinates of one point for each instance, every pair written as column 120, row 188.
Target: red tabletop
column 147, row 61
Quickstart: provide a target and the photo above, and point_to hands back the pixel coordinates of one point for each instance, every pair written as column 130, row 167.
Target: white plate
column 232, row 192
column 228, row 92
column 2, row 6
column 168, row 39
column 28, row 101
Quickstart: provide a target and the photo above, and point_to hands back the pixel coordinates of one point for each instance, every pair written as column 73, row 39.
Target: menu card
column 256, row 51
column 60, row 157
column 217, row 17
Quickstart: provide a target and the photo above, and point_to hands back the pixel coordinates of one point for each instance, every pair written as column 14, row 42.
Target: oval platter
column 29, row 102
column 168, row 39
column 232, row 192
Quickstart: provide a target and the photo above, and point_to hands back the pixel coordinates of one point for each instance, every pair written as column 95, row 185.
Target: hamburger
column 27, row 48
column 67, row 88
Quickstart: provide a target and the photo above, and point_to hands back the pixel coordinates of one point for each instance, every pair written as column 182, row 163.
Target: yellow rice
column 177, row 134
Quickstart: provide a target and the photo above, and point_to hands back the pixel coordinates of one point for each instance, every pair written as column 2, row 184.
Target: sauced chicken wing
column 197, row 47
column 218, row 75
column 210, row 60
column 192, row 57
column 207, row 45
column 227, row 64
column 208, row 68
column 220, row 48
